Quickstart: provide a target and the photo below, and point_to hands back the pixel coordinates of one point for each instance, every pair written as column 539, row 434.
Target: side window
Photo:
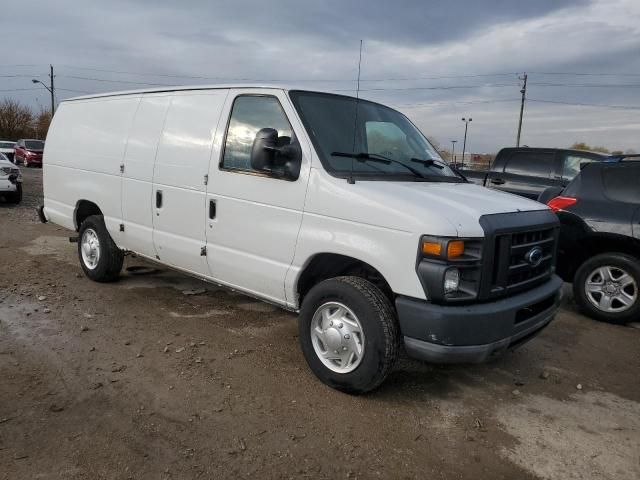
column 621, row 183
column 249, row 114
column 534, row 164
column 571, row 165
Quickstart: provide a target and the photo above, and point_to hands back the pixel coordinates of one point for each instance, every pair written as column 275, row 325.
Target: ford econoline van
column 327, row 205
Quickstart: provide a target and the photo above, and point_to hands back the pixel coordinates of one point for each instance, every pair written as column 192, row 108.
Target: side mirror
column 269, row 155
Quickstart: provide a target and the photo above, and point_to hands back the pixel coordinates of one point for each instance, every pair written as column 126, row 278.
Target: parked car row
column 27, row 152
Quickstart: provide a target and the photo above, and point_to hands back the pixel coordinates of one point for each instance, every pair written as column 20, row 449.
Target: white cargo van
column 328, row 206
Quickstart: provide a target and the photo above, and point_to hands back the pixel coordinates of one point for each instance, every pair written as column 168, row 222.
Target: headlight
column 449, row 268
column 451, row 280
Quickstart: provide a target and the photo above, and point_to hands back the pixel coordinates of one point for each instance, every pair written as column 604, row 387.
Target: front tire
column 25, row 162
column 100, row 257
column 349, row 334
column 606, row 287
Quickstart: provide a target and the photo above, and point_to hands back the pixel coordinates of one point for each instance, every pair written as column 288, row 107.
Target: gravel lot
column 139, row 380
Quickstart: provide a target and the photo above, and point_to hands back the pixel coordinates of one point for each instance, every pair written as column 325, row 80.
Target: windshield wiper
column 375, row 157
column 429, row 162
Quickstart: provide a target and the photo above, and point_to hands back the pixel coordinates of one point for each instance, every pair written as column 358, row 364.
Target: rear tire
column 349, row 334
column 100, row 257
column 606, row 303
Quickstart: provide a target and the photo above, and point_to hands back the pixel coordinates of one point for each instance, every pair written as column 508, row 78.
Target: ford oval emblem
column 534, row 256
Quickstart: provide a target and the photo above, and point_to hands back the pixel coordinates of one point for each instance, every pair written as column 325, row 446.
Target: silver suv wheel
column 611, row 289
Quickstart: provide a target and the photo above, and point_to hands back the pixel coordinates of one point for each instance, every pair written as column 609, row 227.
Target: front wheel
column 100, row 257
column 348, row 334
column 25, row 162
column 606, row 287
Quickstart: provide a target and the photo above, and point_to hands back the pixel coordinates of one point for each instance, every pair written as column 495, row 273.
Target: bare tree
column 15, row 119
column 41, row 123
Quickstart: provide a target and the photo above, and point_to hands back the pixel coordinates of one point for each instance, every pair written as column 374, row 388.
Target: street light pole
column 453, row 151
column 50, row 88
column 464, row 144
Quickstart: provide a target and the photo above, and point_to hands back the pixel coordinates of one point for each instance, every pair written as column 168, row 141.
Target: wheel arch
column 597, row 244
column 325, row 265
column 82, row 210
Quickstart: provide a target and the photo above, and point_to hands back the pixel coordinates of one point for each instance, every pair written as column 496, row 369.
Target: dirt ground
column 136, row 379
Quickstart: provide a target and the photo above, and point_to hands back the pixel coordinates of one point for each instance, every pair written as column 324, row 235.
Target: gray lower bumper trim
column 434, row 353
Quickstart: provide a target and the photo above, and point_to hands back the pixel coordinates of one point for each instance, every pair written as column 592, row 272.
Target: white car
column 326, row 205
column 7, row 147
column 10, row 181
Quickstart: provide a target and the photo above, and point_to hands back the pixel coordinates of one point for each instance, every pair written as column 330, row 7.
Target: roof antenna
column 352, row 180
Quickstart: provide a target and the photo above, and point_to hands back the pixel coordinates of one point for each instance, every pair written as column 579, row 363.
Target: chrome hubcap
column 90, row 248
column 337, row 337
column 611, row 289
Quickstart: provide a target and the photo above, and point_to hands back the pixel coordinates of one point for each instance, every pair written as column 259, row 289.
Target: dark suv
column 599, row 248
column 28, row 152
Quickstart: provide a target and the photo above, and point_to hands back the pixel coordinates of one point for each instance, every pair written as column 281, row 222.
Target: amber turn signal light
column 433, row 249
column 455, row 249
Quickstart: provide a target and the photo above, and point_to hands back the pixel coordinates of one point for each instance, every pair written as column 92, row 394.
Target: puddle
column 576, row 439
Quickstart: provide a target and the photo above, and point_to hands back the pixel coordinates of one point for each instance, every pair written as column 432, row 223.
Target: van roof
column 191, row 87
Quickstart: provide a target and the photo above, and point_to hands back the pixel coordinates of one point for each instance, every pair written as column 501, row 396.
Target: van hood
column 448, row 209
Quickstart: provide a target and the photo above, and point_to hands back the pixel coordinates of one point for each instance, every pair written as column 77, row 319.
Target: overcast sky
column 436, row 61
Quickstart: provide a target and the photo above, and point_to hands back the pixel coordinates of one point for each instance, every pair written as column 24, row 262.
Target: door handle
column 158, row 198
column 212, row 209
column 497, row 181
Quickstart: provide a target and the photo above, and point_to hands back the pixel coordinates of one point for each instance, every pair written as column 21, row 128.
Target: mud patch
column 574, row 439
column 210, row 313
column 260, row 307
column 57, row 247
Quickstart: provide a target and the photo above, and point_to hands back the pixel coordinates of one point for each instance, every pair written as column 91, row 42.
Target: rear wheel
column 606, row 287
column 348, row 334
column 100, row 257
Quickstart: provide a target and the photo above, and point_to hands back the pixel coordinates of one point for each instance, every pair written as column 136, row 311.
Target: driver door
column 253, row 218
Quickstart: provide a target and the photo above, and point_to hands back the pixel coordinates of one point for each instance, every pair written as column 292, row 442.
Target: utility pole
column 524, row 96
column 464, row 144
column 53, row 97
column 453, row 151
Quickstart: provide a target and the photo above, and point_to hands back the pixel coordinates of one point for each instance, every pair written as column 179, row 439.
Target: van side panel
column 182, row 161
column 137, row 179
column 85, row 146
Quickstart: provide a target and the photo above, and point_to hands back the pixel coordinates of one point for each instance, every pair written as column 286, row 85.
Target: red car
column 28, row 152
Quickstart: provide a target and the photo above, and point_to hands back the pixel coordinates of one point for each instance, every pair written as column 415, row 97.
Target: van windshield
column 385, row 146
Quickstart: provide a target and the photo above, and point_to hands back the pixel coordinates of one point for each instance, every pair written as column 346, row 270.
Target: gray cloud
column 316, row 44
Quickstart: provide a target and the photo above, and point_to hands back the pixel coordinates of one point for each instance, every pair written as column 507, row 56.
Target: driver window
column 249, row 114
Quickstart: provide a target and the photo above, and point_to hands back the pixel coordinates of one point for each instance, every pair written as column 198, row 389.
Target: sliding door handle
column 158, row 198
column 212, row 209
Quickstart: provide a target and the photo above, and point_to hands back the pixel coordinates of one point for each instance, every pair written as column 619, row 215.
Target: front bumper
column 9, row 184
column 475, row 333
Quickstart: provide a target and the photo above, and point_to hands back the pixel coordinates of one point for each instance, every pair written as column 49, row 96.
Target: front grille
column 519, row 256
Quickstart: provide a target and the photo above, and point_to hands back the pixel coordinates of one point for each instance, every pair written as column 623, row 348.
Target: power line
column 580, row 85
column 18, row 89
column 609, row 74
column 622, row 107
column 445, row 104
column 439, row 87
column 116, row 81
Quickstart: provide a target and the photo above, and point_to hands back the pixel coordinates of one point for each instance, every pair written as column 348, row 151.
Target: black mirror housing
column 277, row 155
